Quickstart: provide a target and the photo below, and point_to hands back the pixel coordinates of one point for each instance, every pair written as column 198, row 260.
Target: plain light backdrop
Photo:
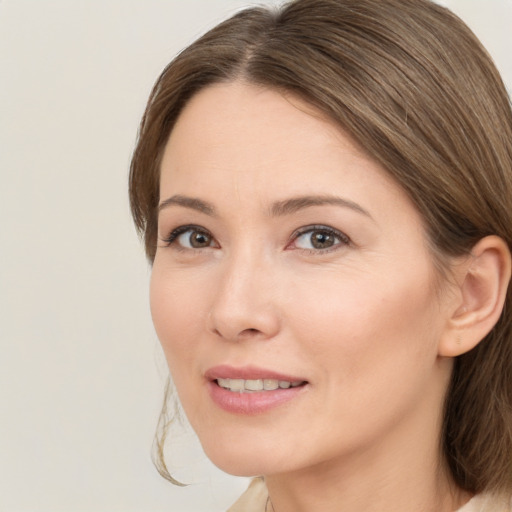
column 81, row 373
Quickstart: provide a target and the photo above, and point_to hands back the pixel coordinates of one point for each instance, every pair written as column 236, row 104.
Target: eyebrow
column 278, row 209
column 295, row 204
column 188, row 202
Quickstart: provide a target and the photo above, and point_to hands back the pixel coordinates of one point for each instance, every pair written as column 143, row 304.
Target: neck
column 335, row 491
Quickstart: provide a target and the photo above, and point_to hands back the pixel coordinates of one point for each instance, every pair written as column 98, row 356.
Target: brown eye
column 190, row 237
column 320, row 238
column 198, row 239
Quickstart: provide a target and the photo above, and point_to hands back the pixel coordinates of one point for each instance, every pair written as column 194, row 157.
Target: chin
column 244, row 458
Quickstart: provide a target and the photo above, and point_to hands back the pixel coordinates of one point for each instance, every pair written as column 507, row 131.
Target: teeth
column 244, row 386
column 236, row 384
column 253, row 385
column 270, row 384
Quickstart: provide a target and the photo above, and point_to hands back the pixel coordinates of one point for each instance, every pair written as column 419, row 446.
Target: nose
column 245, row 303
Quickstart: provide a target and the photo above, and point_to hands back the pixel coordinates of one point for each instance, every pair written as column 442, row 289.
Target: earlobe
column 483, row 281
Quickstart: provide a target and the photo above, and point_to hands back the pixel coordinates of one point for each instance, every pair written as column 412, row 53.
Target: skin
column 360, row 320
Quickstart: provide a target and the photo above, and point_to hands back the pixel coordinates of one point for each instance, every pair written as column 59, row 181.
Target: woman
column 324, row 195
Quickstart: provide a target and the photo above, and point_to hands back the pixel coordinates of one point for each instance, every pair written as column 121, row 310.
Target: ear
column 482, row 282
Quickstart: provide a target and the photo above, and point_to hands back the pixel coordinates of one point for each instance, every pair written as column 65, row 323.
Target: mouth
column 257, row 385
column 250, row 390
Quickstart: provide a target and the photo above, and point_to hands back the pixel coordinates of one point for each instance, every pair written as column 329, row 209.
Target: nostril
column 244, row 334
column 249, row 332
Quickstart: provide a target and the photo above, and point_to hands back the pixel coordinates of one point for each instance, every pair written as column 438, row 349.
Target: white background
column 81, row 372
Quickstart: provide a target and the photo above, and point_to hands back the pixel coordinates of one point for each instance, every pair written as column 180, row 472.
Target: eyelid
column 176, row 232
column 345, row 240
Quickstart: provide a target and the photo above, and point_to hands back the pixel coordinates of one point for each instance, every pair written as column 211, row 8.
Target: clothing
column 254, row 499
column 487, row 503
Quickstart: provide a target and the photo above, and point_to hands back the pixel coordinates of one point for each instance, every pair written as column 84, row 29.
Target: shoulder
column 488, row 503
column 254, row 499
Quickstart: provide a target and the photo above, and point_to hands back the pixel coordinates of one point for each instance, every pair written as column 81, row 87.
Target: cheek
column 372, row 345
column 367, row 322
column 178, row 317
column 176, row 312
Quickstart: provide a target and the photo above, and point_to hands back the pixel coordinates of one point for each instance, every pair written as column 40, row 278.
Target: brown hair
column 414, row 87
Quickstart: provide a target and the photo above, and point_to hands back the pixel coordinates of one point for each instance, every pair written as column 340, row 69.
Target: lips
column 251, row 390
column 249, row 373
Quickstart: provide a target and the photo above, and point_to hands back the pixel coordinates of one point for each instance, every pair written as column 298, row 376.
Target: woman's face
column 288, row 259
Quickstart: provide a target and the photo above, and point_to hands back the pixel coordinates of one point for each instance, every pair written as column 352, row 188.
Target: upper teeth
column 242, row 385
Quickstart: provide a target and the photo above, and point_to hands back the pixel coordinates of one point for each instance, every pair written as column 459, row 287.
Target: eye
column 319, row 238
column 190, row 237
column 194, row 239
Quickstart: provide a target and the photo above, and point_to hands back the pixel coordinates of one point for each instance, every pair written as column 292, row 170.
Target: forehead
column 254, row 133
column 239, row 115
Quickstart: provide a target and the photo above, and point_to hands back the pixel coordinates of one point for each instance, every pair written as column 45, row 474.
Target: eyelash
column 175, row 233
column 344, row 239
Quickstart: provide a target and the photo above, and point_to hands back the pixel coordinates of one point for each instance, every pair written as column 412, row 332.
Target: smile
column 255, row 385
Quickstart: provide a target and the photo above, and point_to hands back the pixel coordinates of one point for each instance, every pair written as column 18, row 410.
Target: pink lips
column 247, row 372
column 255, row 402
